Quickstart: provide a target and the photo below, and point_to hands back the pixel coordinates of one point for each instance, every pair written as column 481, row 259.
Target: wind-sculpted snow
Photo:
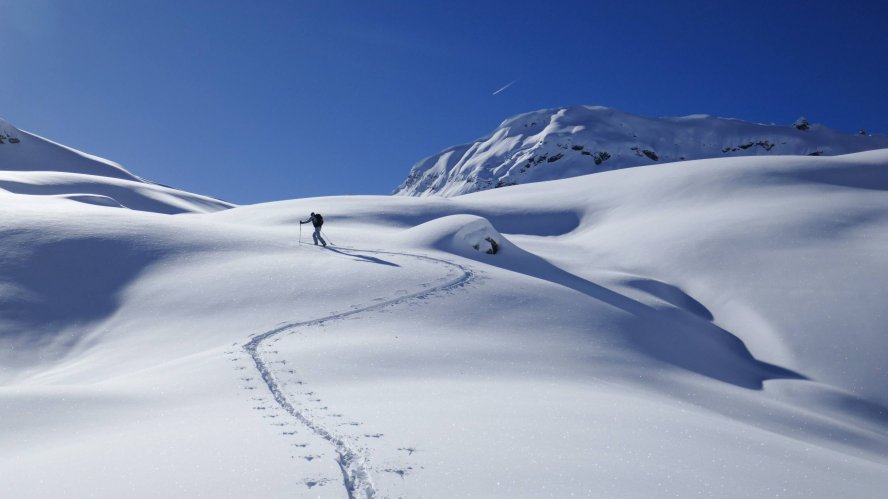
column 23, row 151
column 134, row 195
column 566, row 142
column 357, row 477
column 32, row 165
column 687, row 338
column 704, row 328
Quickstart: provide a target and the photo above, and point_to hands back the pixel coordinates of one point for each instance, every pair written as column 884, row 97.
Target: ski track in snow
column 356, row 475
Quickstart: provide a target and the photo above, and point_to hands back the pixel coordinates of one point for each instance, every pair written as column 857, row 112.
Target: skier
column 317, row 220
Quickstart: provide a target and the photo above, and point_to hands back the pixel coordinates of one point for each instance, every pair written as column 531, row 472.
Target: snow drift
column 461, row 235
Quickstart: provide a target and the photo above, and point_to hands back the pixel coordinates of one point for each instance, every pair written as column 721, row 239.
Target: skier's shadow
column 365, row 258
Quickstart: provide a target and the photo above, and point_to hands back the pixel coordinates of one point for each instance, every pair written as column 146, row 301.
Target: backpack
column 319, row 220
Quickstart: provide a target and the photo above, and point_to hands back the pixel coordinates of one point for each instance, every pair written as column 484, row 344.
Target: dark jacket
column 315, row 220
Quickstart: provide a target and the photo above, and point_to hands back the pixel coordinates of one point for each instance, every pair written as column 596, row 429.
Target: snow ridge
column 36, row 166
column 356, row 474
column 566, row 142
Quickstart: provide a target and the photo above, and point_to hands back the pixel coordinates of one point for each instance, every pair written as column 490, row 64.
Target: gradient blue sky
column 261, row 100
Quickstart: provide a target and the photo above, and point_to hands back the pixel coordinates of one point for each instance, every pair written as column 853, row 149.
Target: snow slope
column 710, row 327
column 30, row 164
column 566, row 142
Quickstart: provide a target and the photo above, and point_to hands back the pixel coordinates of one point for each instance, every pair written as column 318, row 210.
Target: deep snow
column 710, row 327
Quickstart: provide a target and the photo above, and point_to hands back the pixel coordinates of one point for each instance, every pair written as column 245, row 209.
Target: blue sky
column 265, row 100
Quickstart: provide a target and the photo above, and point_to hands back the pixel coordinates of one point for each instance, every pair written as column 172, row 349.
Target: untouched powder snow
column 23, row 151
column 30, row 164
column 711, row 327
column 566, row 142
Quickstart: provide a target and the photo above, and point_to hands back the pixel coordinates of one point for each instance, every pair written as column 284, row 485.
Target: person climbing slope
column 317, row 221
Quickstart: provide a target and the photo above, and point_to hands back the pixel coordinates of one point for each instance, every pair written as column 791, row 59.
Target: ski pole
column 327, row 237
column 300, row 232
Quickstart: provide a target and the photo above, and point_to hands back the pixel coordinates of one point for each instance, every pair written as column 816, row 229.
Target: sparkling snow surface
column 712, row 327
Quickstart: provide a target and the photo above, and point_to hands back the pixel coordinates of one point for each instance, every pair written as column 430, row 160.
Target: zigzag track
column 356, row 474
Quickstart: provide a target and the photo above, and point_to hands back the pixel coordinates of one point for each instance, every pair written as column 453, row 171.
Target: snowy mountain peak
column 565, row 142
column 33, row 165
column 28, row 152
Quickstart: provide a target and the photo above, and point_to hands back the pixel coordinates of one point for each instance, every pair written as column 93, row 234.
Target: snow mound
column 567, row 142
column 464, row 235
column 696, row 346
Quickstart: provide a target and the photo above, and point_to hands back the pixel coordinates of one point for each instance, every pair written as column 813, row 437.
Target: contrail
column 505, row 87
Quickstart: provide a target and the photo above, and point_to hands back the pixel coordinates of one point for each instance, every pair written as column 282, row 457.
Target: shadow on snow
column 682, row 336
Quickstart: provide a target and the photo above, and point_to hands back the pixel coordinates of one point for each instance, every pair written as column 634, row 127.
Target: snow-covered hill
column 32, row 165
column 704, row 328
column 566, row 142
